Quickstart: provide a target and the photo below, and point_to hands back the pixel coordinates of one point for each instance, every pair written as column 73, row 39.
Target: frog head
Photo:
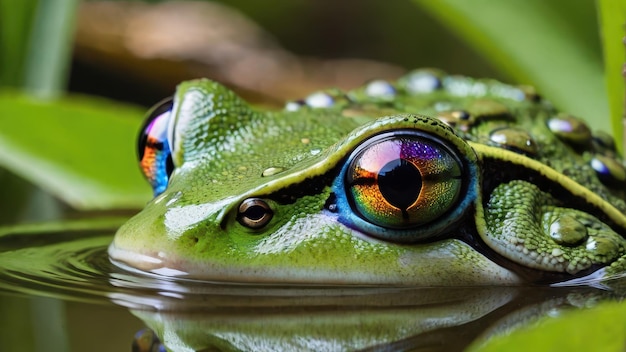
column 342, row 190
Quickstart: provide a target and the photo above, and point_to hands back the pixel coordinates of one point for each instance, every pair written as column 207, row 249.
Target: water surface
column 60, row 291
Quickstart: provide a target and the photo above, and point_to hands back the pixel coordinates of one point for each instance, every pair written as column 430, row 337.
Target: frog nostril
column 254, row 213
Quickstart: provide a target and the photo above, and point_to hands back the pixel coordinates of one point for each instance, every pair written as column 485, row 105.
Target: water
column 62, row 293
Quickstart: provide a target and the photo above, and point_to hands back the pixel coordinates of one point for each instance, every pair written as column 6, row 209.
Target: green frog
column 433, row 180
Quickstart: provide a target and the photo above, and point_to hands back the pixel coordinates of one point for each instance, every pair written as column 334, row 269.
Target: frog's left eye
column 153, row 147
column 254, row 213
column 401, row 181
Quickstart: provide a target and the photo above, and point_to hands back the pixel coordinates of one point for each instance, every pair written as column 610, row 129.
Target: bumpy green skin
column 223, row 148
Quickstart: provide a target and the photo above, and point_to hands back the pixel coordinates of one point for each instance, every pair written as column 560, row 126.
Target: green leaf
column 50, row 47
column 81, row 150
column 602, row 328
column 612, row 22
column 552, row 45
column 15, row 20
column 40, row 229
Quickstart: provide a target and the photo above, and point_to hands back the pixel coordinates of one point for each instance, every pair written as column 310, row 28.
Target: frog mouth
column 432, row 267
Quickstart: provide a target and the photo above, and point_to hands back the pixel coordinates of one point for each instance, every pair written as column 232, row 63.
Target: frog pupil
column 400, row 182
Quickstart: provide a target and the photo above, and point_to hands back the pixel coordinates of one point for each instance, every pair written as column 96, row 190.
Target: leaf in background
column 15, row 20
column 601, row 328
column 81, row 150
column 552, row 45
column 50, row 47
column 612, row 25
column 54, row 228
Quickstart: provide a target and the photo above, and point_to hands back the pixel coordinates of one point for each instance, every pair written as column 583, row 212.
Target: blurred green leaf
column 612, row 22
column 81, row 150
column 552, row 45
column 602, row 328
column 50, row 46
column 15, row 22
column 41, row 229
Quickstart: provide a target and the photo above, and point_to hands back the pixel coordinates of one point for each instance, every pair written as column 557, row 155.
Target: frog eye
column 254, row 213
column 402, row 180
column 153, row 147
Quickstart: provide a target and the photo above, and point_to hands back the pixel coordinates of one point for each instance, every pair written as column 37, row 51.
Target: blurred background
column 268, row 51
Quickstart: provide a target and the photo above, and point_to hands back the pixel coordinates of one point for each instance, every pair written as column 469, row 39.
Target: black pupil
column 255, row 212
column 400, row 182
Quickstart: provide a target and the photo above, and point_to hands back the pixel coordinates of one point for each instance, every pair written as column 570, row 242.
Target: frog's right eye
column 153, row 147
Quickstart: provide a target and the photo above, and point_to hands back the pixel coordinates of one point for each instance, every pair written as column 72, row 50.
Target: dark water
column 60, row 292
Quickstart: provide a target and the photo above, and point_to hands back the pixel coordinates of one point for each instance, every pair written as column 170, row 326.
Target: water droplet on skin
column 515, row 139
column 270, row 171
column 319, row 100
column 602, row 246
column 609, row 171
column 570, row 129
column 294, row 105
column 422, row 82
column 380, row 89
column 568, row 231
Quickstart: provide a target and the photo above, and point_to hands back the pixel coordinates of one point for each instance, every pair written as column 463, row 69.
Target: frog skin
column 431, row 180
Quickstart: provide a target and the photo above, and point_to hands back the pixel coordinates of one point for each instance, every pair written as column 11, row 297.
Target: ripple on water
column 74, row 265
column 71, row 264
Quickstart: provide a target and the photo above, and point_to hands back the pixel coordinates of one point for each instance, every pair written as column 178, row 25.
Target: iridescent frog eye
column 153, row 147
column 403, row 180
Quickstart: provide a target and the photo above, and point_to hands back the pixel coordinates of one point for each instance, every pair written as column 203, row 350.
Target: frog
column 432, row 179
